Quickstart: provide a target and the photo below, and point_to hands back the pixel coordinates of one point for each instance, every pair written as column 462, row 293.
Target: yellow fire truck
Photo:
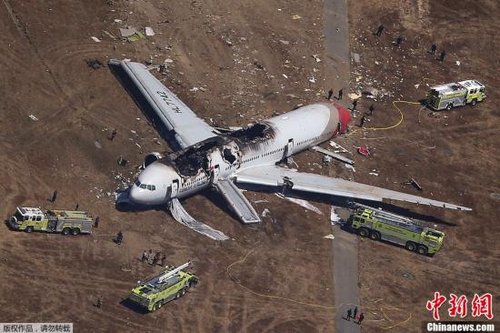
column 67, row 222
column 447, row 96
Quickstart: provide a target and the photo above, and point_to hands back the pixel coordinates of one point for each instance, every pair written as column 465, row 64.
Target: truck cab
column 28, row 218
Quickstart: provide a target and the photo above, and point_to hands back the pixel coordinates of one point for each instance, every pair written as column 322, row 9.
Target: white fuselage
column 191, row 170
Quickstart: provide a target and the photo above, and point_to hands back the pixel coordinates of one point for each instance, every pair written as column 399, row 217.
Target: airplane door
column 214, row 174
column 175, row 188
column 289, row 148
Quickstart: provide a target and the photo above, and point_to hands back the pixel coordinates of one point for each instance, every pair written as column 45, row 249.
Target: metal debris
column 95, row 39
column 301, row 202
column 149, row 32
column 33, row 117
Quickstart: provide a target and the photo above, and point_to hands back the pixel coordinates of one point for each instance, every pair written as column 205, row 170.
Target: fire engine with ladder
column 381, row 225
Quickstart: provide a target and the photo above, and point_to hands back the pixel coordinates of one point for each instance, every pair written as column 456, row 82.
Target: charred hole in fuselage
column 228, row 155
column 188, row 162
column 254, row 133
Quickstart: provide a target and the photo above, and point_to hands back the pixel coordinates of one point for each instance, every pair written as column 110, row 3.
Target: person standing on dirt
column 349, row 315
column 76, row 207
column 355, row 312
column 150, row 256
column 330, row 94
column 398, row 41
column 99, row 302
column 341, row 93
column 361, row 317
column 162, row 260
column 433, row 49
column 442, row 55
column 54, row 196
column 96, row 222
column 362, row 122
column 119, row 238
column 144, row 257
column 113, row 134
column 371, row 108
column 380, row 29
column 354, row 104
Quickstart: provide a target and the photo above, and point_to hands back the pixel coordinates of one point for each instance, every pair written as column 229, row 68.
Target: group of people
column 400, row 38
column 153, row 259
column 353, row 313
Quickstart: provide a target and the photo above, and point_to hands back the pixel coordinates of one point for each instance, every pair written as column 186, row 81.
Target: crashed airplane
column 206, row 157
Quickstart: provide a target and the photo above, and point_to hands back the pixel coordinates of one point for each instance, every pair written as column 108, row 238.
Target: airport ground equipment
column 447, row 96
column 170, row 284
column 381, row 225
column 67, row 222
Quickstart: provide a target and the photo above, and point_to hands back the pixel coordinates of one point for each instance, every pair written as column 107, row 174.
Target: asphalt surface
column 345, row 246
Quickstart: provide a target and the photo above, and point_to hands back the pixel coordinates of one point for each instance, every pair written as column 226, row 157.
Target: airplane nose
column 134, row 194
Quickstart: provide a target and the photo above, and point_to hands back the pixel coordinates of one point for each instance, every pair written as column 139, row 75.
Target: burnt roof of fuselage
column 190, row 160
column 253, row 133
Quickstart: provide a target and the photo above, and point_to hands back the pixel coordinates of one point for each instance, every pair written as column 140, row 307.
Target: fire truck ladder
column 392, row 218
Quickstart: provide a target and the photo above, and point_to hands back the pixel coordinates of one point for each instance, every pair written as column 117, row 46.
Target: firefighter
column 442, row 55
column 119, row 238
column 330, row 94
column 398, row 41
column 433, row 49
column 144, row 257
column 341, row 93
column 380, row 29
column 360, row 318
column 349, row 315
column 54, row 196
column 362, row 122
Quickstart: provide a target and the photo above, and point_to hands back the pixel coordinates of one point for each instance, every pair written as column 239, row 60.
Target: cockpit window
column 150, row 187
column 137, row 182
column 143, row 186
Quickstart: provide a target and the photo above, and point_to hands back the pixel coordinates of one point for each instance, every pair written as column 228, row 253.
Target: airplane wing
column 177, row 117
column 308, row 182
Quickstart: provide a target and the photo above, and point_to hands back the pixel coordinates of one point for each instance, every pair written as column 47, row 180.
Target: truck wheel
column 66, row 231
column 474, row 102
column 363, row 232
column 29, row 229
column 410, row 246
column 183, row 291
column 75, row 231
column 449, row 106
column 422, row 249
column 178, row 295
column 375, row 235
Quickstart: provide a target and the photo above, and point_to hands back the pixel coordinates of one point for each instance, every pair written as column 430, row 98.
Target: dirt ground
column 252, row 59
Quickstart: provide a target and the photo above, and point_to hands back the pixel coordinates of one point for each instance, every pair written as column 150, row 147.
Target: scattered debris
column 458, row 63
column 334, row 217
column 354, row 96
column 329, row 236
column 339, row 148
column 332, row 154
column 109, row 34
column 495, row 196
column 417, row 85
column 316, row 57
column 265, row 212
column 373, row 173
column 95, row 39
column 117, row 21
column 312, row 80
column 284, row 42
column 415, row 183
column 260, row 201
column 33, row 117
column 121, row 161
column 149, row 32
column 131, row 34
column 301, row 202
column 363, row 150
column 408, row 275
column 355, row 57
column 350, row 167
column 327, row 159
column 97, row 144
column 296, row 17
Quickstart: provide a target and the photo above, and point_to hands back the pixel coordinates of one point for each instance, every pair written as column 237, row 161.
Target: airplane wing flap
column 307, row 182
column 174, row 114
column 240, row 205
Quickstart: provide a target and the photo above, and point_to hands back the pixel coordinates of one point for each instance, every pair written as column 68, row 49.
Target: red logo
column 480, row 305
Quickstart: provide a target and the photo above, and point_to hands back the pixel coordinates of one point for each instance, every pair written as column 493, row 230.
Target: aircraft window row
column 273, row 152
column 145, row 186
